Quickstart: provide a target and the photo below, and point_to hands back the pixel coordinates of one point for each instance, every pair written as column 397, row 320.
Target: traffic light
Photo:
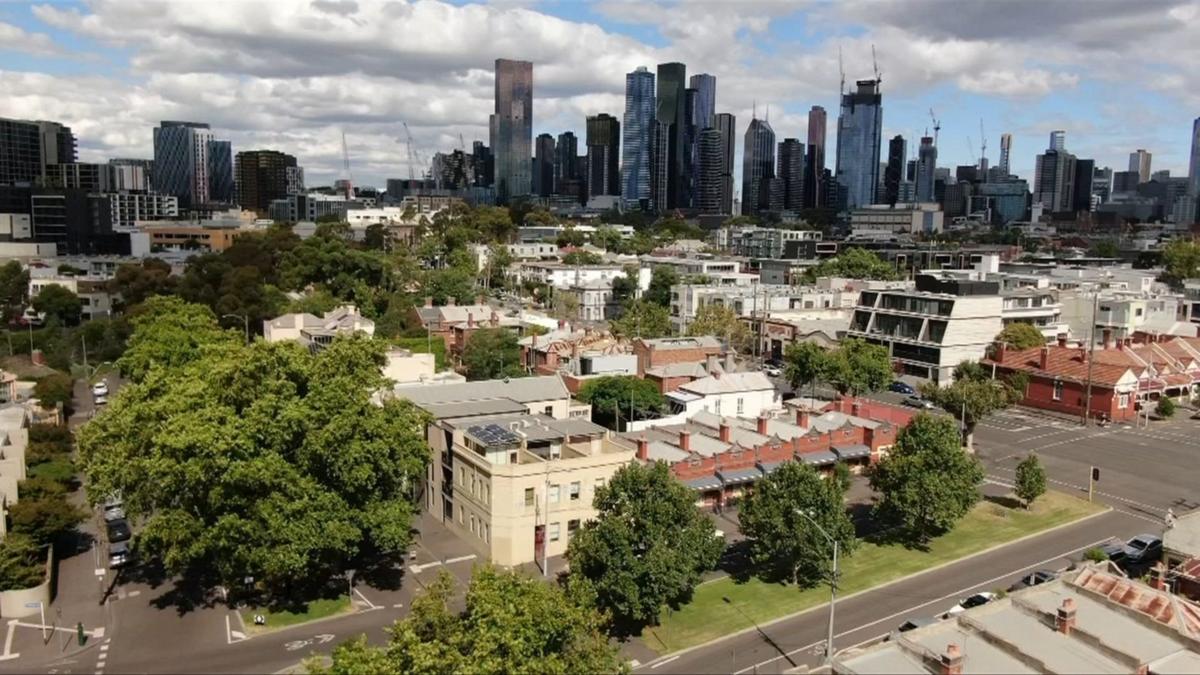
column 1096, row 474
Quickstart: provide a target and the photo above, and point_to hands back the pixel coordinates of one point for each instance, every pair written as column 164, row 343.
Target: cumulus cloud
column 14, row 38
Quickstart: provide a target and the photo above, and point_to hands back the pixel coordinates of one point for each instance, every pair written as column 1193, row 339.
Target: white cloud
column 1016, row 84
column 16, row 39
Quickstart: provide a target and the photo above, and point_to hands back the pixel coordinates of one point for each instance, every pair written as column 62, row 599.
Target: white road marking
column 8, row 652
column 911, row 610
column 461, row 558
column 664, row 662
column 417, row 569
column 364, row 599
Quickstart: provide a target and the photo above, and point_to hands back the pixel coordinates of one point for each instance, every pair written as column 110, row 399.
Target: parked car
column 1114, row 549
column 118, row 554
column 970, row 602
column 114, row 512
column 902, row 388
column 100, row 388
column 118, row 530
column 101, row 400
column 918, row 402
column 773, row 371
column 1033, row 579
column 1143, row 548
column 911, row 624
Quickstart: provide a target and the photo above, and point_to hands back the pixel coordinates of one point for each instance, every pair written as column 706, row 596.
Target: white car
column 970, row 602
column 772, row 371
column 100, row 388
column 101, row 400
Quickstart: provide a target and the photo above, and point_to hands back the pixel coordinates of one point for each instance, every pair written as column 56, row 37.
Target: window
column 461, row 513
column 528, row 497
column 599, row 483
column 718, row 406
column 553, row 529
column 549, row 410
column 572, row 526
column 741, row 406
column 1058, row 390
column 474, row 525
column 1123, row 401
column 462, row 475
column 554, row 494
column 485, row 532
column 575, row 491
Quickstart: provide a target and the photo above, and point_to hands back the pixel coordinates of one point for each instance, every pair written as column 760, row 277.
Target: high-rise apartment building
column 1058, row 140
column 814, row 165
column 28, row 147
column 1081, row 190
column 926, row 166
column 603, row 150
column 860, row 129
column 726, row 124
column 671, row 109
column 221, row 185
column 484, row 165
column 512, row 129
column 262, row 176
column 711, row 188
column 181, row 162
column 791, row 173
column 893, row 173
column 706, row 99
column 702, row 102
column 543, row 166
column 637, row 138
column 566, row 163
column 758, row 167
column 691, row 132
column 1139, row 161
column 1054, row 180
column 1005, row 153
column 132, row 175
column 1194, row 161
column 660, row 159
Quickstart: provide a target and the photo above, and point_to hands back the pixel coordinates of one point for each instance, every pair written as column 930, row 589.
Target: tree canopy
column 60, row 303
column 972, row 396
column 858, row 367
column 617, row 397
column 261, row 460
column 582, row 258
column 1181, row 261
column 805, row 363
column 170, row 333
column 642, row 318
column 14, row 286
column 492, row 353
column 1021, row 335
column 927, row 482
column 1030, row 479
column 722, row 322
column 662, row 278
column 854, row 263
column 646, row 548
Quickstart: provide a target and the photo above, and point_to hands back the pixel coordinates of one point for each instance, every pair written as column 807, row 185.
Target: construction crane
column 937, row 126
column 412, row 155
column 875, row 66
column 842, row 73
column 982, row 147
column 346, row 168
column 971, row 149
column 462, row 143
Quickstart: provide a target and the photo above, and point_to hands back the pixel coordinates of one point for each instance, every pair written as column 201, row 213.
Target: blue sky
column 295, row 74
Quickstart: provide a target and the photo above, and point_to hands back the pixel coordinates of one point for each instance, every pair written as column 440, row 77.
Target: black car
column 1143, row 548
column 1114, row 550
column 118, row 530
column 1033, row 579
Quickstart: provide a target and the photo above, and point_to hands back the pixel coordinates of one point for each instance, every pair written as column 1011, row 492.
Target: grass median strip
column 314, row 609
column 725, row 606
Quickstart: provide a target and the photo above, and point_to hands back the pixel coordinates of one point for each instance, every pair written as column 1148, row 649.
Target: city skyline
column 90, row 67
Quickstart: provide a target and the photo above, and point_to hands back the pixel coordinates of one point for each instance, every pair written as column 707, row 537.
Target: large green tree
column 854, row 263
column 14, row 286
column 22, row 562
column 971, row 398
column 1030, row 479
column 804, row 363
column 492, row 353
column 643, row 318
column 1021, row 335
column 783, row 543
column 60, row 303
column 511, row 624
column 1181, row 261
column 136, row 282
column 858, row 367
column 261, row 460
column 45, row 518
column 55, row 389
column 170, row 333
column 646, row 548
column 617, row 397
column 927, row 482
column 722, row 322
column 662, row 278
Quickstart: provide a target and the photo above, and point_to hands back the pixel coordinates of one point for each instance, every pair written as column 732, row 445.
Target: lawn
column 424, row 345
column 989, row 524
column 316, row 609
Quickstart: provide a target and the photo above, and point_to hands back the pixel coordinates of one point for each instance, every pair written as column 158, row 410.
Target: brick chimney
column 762, row 424
column 643, row 449
column 1045, row 361
column 802, row 418
column 470, row 320
column 451, row 301
column 1107, row 333
column 1062, row 339
column 562, row 323
column 1001, row 350
column 724, row 431
column 533, row 341
column 729, row 363
column 711, row 364
column 1064, row 621
column 952, row 661
column 685, row 441
column 429, row 301
column 855, row 408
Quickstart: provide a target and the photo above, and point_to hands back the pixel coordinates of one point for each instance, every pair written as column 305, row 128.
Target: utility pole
column 1087, row 396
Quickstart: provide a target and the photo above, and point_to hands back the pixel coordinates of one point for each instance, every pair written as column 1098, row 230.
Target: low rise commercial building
column 881, row 221
column 757, row 300
column 763, row 242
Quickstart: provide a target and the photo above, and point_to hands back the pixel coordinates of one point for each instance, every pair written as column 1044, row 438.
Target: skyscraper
column 1139, row 161
column 814, row 166
column 1081, row 191
column 28, row 147
column 893, row 175
column 1054, row 180
column 637, row 138
column 701, row 111
column 671, row 109
column 483, row 164
column 860, row 129
column 603, row 148
column 512, row 128
column 691, row 160
column 791, row 173
column 660, row 160
column 1058, row 140
column 758, row 167
column 543, row 162
column 711, row 185
column 1005, row 153
column 1194, row 163
column 261, row 176
column 926, row 165
column 221, row 185
column 181, row 161
column 566, row 153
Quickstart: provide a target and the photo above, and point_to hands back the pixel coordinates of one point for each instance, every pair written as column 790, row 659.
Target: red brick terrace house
column 720, row 457
column 1122, row 374
column 664, row 351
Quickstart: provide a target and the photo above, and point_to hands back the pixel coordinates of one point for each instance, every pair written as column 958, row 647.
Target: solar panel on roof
column 492, row 434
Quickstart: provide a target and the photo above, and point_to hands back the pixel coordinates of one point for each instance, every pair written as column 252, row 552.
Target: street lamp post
column 245, row 323
column 832, row 585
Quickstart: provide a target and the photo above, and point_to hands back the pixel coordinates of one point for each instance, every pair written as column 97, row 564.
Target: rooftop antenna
column 754, row 110
column 346, row 168
column 842, row 73
column 768, row 112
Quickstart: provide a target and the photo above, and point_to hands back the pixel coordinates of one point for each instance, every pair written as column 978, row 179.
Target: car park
column 118, row 530
column 1033, row 579
column 902, row 388
column 970, row 602
column 1142, row 549
column 100, row 388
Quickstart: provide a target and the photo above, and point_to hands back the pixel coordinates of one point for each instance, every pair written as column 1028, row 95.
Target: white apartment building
column 754, row 300
column 531, row 251
column 532, row 233
column 562, row 276
column 736, row 394
column 315, row 332
column 1125, row 313
column 933, row 328
column 761, row 242
column 881, row 221
column 130, row 208
column 92, row 290
column 1037, row 306
column 722, row 272
column 595, row 301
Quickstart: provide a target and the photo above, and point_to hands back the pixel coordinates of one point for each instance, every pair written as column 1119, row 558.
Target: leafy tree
column 170, row 333
column 784, row 544
column 805, row 363
column 46, row 519
column 624, row 288
column 22, row 562
column 59, row 302
column 570, row 237
column 492, row 353
column 841, row 473
column 499, row 261
column 511, row 624
column 854, row 263
column 55, row 389
column 643, row 318
column 1031, row 479
column 136, row 282
column 1166, row 407
column 566, row 305
column 607, row 238
column 927, row 482
column 316, row 303
column 647, row 547
column 582, row 258
column 859, row 367
column 722, row 322
column 661, row 280
column 227, row 455
column 614, row 397
column 1021, row 335
column 1095, row 554
column 972, row 400
column 1181, row 261
column 42, row 487
column 1105, row 248
column 377, row 237
column 14, row 285
column 51, row 433
column 971, row 370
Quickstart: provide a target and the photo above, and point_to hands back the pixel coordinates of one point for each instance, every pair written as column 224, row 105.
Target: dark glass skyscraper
column 711, row 187
column 566, row 152
column 221, row 185
column 726, row 123
column 543, row 162
column 181, row 163
column 603, row 148
column 660, row 159
column 860, row 130
column 791, row 173
column 926, row 165
column 512, row 129
column 261, row 176
column 814, row 165
column 758, row 167
column 702, row 102
column 893, row 173
column 28, row 147
column 671, row 109
column 637, row 138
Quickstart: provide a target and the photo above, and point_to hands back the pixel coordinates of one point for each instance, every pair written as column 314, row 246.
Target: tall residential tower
column 637, row 138
column 512, row 129
column 860, row 133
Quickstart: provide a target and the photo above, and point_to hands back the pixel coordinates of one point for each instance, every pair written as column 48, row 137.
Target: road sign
column 33, row 605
